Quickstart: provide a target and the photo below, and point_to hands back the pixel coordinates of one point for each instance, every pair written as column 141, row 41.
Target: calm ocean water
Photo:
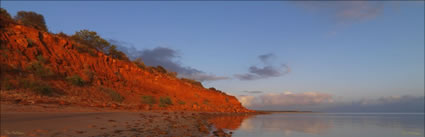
column 332, row 125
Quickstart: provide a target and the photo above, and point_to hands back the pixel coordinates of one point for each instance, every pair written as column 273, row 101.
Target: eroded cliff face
column 23, row 45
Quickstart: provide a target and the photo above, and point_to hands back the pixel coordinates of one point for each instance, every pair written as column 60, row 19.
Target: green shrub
column 81, row 48
column 42, row 89
column 63, row 35
column 30, row 42
column 38, row 87
column 92, row 52
column 24, row 83
column 172, row 74
column 19, row 52
column 115, row 96
column 181, row 102
column 75, row 80
column 4, row 13
column 139, row 63
column 32, row 19
column 216, row 90
column 91, row 40
column 193, row 82
column 206, row 102
column 150, row 69
column 165, row 101
column 5, row 84
column 119, row 75
column 3, row 54
column 148, row 100
column 5, row 18
column 89, row 74
column 161, row 69
column 39, row 69
column 196, row 103
column 41, row 59
column 114, row 53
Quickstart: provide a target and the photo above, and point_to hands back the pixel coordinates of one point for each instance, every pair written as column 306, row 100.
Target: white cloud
column 317, row 101
column 286, row 99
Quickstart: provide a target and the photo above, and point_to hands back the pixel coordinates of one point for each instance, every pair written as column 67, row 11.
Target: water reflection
column 329, row 125
column 286, row 124
column 231, row 122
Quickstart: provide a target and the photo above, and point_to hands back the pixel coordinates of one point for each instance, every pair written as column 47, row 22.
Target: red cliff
column 21, row 46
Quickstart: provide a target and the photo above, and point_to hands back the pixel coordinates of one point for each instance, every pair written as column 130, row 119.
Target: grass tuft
column 148, row 100
column 75, row 80
column 165, row 101
column 181, row 102
column 115, row 96
column 38, row 87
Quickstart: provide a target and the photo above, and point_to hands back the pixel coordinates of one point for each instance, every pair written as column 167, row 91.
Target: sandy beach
column 60, row 121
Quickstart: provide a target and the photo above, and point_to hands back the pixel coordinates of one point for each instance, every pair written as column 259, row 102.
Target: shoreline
column 71, row 120
column 283, row 111
column 55, row 119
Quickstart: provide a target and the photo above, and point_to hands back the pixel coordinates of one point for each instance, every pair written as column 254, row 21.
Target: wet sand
column 59, row 121
column 101, row 124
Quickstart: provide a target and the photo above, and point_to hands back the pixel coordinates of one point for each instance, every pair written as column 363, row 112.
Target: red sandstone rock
column 124, row 77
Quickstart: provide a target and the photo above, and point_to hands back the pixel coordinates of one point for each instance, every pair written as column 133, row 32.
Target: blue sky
column 349, row 50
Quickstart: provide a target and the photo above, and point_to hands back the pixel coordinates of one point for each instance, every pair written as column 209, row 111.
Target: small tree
column 5, row 18
column 113, row 52
column 5, row 14
column 193, row 82
column 161, row 69
column 91, row 39
column 172, row 74
column 139, row 63
column 62, row 34
column 29, row 18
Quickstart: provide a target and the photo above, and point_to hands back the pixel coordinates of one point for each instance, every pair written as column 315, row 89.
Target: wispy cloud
column 268, row 70
column 253, row 92
column 346, row 11
column 404, row 103
column 360, row 10
column 267, row 58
